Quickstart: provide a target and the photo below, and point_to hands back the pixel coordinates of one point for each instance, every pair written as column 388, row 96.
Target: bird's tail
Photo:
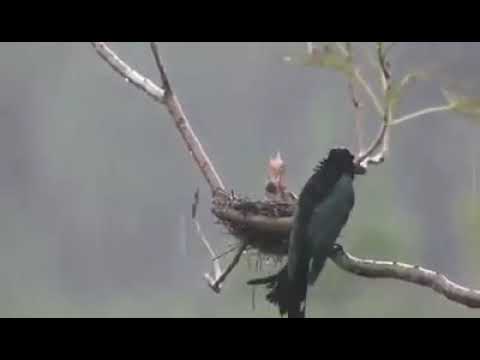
column 278, row 285
column 287, row 296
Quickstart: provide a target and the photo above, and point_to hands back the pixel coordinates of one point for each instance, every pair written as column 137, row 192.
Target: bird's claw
column 336, row 248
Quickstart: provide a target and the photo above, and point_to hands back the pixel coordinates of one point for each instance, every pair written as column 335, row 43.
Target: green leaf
column 469, row 106
column 328, row 57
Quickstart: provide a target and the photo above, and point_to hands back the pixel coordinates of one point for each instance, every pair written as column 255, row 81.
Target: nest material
column 236, row 213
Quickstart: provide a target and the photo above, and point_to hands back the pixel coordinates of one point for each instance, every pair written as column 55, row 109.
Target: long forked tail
column 287, row 296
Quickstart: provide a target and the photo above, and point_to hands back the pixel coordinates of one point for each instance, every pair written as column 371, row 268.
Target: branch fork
column 375, row 154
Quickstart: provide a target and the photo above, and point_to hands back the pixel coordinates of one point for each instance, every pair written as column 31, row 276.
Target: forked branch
column 166, row 96
column 281, row 225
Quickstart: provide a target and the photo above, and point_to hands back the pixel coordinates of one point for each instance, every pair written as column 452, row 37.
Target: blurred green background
column 96, row 186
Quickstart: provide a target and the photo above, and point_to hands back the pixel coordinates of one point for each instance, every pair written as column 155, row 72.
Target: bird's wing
column 327, row 220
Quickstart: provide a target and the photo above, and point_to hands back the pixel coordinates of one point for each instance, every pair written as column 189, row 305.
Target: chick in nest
column 275, row 187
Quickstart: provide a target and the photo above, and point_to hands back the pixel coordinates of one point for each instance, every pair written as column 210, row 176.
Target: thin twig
column 422, row 112
column 216, row 286
column 358, row 76
column 361, row 80
column 367, row 158
column 382, row 139
column 409, row 273
column 357, row 106
column 216, row 264
column 219, row 276
column 385, row 74
column 163, row 75
column 226, row 252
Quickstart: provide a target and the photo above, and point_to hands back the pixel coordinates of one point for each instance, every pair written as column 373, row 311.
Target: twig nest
column 263, row 224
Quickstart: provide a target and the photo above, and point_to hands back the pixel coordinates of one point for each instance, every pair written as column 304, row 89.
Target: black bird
column 323, row 209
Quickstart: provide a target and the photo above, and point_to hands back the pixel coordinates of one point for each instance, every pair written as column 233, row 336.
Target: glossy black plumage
column 324, row 206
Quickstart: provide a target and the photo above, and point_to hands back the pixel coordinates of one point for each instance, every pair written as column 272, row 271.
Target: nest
column 262, row 224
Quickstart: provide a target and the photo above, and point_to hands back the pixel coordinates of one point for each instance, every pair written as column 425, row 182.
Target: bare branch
column 226, row 252
column 216, row 264
column 163, row 75
column 361, row 80
column 357, row 106
column 219, row 276
column 174, row 108
column 367, row 157
column 423, row 112
column 358, row 76
column 282, row 225
column 384, row 65
column 216, row 286
column 127, row 73
column 383, row 136
column 409, row 273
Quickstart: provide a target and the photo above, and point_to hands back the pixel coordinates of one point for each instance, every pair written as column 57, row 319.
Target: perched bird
column 324, row 206
column 275, row 187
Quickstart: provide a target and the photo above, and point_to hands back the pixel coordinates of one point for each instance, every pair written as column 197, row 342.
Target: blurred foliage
column 463, row 104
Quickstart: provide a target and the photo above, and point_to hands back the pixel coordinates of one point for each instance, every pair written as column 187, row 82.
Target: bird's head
column 338, row 163
column 276, row 175
column 342, row 160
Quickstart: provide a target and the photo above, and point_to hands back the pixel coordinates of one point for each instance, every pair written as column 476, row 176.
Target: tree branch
column 127, row 73
column 423, row 112
column 383, row 135
column 217, row 271
column 167, row 97
column 216, row 286
column 409, row 273
column 215, row 282
column 367, row 158
column 282, row 225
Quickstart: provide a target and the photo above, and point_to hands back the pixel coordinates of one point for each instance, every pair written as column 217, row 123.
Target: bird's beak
column 358, row 169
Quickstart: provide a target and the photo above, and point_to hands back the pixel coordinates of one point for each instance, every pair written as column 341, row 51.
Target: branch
column 409, row 273
column 216, row 263
column 367, row 157
column 361, row 267
column 423, row 112
column 167, row 97
column 126, row 72
column 384, row 65
column 219, row 281
column 215, row 282
column 358, row 76
column 382, row 138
